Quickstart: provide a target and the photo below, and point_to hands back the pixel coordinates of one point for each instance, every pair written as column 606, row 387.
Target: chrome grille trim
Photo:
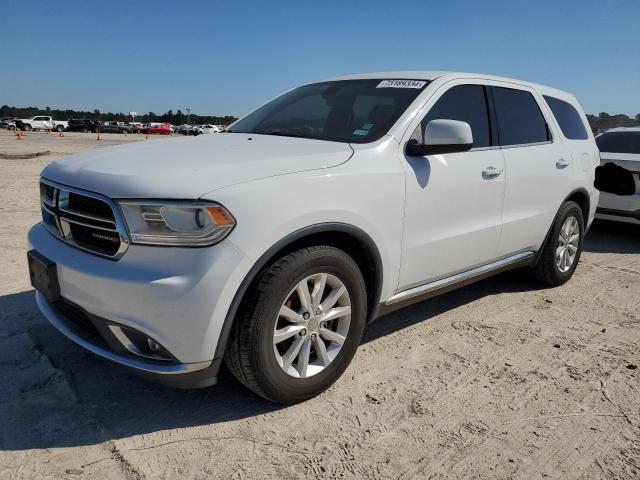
column 65, row 216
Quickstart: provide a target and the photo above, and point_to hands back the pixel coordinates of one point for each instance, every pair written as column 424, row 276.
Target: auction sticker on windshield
column 401, row 84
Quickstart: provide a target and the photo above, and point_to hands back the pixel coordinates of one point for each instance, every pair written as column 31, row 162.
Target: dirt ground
column 501, row 379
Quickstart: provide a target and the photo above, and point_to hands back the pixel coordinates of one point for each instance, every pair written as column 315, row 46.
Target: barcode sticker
column 401, row 84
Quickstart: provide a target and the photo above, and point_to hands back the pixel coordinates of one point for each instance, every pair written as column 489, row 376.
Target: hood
column 189, row 167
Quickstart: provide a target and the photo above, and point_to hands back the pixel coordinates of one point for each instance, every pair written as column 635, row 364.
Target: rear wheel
column 562, row 250
column 27, row 128
column 300, row 326
column 59, row 128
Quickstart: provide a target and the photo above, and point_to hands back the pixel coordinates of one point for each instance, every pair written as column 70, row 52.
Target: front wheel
column 59, row 128
column 300, row 325
column 27, row 128
column 562, row 250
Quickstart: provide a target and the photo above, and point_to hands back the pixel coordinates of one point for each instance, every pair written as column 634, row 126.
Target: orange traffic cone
column 62, row 134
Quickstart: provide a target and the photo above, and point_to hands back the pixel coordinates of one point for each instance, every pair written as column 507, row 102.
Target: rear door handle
column 491, row 172
column 562, row 163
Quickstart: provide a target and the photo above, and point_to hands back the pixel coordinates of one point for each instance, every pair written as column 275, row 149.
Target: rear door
column 538, row 167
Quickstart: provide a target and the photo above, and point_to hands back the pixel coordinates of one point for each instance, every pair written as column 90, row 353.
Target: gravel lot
column 501, row 379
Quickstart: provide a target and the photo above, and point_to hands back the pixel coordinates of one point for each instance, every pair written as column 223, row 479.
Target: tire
column 252, row 351
column 59, row 128
column 549, row 269
column 27, row 127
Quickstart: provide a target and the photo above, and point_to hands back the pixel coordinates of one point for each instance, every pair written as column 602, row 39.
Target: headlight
column 189, row 224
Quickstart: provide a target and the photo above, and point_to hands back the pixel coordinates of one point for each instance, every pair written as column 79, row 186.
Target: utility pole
column 188, row 113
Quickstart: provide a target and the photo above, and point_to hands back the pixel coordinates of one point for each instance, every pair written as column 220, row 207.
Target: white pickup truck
column 41, row 123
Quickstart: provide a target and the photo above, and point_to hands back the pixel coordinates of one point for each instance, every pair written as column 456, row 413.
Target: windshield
column 354, row 111
column 619, row 142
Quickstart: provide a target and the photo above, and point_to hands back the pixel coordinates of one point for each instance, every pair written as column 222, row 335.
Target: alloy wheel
column 568, row 244
column 312, row 325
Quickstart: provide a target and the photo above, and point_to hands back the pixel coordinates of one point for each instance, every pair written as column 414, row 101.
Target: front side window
column 465, row 103
column 520, row 120
column 354, row 111
column 568, row 118
column 619, row 142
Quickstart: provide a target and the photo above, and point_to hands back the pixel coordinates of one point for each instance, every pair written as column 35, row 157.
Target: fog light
column 153, row 346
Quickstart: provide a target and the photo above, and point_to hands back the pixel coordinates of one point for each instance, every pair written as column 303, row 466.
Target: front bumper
column 176, row 296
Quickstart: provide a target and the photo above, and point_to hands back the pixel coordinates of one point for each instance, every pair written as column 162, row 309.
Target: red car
column 158, row 128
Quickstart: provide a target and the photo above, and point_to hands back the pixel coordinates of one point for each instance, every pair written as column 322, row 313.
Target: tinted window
column 619, row 142
column 466, row 103
column 520, row 120
column 357, row 111
column 568, row 118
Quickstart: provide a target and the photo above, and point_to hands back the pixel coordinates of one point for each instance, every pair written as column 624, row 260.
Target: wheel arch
column 581, row 197
column 353, row 240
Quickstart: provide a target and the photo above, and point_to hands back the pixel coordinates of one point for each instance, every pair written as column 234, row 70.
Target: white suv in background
column 621, row 147
column 270, row 246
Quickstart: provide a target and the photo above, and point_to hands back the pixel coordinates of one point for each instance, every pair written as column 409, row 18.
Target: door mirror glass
column 442, row 136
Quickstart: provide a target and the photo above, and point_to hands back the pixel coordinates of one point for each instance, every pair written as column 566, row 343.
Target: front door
column 453, row 201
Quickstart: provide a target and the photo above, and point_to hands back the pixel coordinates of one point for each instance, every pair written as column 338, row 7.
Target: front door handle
column 562, row 163
column 491, row 172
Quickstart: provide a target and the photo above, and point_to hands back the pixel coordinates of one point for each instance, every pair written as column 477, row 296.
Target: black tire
column 250, row 352
column 27, row 128
column 59, row 128
column 546, row 269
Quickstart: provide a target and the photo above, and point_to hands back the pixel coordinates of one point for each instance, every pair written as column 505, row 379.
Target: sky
column 226, row 58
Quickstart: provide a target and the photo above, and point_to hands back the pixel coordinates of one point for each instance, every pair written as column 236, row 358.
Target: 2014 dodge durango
column 271, row 245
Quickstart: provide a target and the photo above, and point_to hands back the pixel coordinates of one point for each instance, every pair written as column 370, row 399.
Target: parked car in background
column 157, row 129
column 185, row 129
column 41, row 122
column 136, row 127
column 113, row 127
column 208, row 128
column 458, row 176
column 82, row 125
column 6, row 122
column 620, row 147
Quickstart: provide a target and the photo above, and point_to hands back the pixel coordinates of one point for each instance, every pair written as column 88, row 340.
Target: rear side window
column 568, row 118
column 619, row 142
column 520, row 120
column 465, row 103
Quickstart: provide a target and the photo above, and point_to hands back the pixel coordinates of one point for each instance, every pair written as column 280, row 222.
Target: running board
column 461, row 278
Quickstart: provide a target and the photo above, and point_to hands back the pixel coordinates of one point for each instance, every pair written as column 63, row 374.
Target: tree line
column 602, row 121
column 175, row 118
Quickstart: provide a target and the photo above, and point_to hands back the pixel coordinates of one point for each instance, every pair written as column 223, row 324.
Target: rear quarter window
column 568, row 118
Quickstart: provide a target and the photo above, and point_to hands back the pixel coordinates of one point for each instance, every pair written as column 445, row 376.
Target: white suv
column 270, row 246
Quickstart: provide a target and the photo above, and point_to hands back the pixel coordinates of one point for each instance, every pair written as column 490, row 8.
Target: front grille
column 90, row 205
column 83, row 219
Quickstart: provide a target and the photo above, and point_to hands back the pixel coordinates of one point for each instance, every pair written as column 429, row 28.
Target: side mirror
column 442, row 136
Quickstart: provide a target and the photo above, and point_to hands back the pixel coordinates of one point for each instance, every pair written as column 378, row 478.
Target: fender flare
column 581, row 190
column 268, row 255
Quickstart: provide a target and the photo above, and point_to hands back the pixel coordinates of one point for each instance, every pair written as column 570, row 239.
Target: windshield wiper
column 281, row 134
